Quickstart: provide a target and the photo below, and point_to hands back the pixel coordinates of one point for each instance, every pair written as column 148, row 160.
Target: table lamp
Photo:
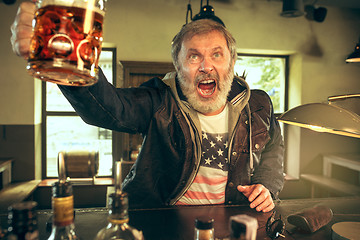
column 335, row 116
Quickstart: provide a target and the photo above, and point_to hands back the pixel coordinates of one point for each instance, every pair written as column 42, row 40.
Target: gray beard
column 206, row 105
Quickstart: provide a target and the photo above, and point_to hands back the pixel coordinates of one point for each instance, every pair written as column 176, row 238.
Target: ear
column 232, row 62
column 176, row 66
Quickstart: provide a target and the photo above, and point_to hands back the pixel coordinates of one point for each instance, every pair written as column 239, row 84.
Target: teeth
column 207, row 81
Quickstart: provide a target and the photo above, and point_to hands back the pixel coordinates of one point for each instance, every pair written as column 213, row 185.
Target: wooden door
column 134, row 74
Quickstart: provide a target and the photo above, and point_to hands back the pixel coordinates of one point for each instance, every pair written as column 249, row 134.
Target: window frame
column 46, row 113
column 287, row 68
column 286, row 94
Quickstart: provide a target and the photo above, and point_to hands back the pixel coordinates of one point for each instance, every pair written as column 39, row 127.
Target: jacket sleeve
column 269, row 171
column 126, row 110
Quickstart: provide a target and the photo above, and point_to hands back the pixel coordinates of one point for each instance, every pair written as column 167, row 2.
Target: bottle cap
column 62, row 189
column 119, row 204
column 204, row 223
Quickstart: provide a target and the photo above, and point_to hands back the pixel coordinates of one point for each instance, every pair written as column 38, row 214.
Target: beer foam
column 76, row 3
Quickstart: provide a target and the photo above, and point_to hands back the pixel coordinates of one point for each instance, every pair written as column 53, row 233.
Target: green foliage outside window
column 265, row 73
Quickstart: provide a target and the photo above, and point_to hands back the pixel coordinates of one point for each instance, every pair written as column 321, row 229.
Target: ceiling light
column 207, row 12
column 355, row 56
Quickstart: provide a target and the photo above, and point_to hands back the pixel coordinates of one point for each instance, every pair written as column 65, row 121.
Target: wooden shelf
column 350, row 161
column 331, row 184
column 80, row 182
column 5, row 170
column 16, row 192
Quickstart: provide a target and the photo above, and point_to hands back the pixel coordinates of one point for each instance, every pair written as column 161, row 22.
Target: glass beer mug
column 66, row 43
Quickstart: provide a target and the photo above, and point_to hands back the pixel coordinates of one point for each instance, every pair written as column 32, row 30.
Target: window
column 64, row 130
column 268, row 73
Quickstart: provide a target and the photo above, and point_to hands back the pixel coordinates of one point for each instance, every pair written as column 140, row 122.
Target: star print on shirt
column 205, row 135
column 220, row 152
column 215, row 151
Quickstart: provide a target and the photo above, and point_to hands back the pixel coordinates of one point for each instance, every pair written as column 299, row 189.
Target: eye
column 194, row 58
column 217, row 55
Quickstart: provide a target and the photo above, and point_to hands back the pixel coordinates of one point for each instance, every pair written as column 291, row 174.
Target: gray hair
column 198, row 27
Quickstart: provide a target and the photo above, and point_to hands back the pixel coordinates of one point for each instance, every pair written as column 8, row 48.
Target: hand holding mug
column 22, row 29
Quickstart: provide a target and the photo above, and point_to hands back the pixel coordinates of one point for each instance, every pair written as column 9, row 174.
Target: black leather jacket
column 171, row 150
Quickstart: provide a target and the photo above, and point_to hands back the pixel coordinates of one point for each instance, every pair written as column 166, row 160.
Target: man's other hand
column 258, row 196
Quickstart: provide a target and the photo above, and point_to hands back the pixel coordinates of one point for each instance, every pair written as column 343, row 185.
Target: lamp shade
column 292, row 8
column 208, row 12
column 322, row 117
column 355, row 56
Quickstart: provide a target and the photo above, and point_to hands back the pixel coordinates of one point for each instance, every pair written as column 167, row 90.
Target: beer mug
column 66, row 43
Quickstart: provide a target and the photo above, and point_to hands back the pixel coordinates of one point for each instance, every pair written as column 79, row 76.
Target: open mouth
column 206, row 87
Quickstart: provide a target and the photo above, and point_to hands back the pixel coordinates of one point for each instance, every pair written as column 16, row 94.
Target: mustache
column 205, row 76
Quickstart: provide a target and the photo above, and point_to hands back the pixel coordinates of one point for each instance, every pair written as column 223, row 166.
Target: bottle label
column 207, row 234
column 63, row 210
column 118, row 221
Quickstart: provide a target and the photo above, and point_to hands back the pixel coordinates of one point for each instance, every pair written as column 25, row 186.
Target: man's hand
column 22, row 30
column 258, row 196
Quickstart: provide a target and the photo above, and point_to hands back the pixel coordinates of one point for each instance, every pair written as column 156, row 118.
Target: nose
column 205, row 66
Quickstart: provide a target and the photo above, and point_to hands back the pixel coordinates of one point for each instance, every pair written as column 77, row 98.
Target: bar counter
column 175, row 223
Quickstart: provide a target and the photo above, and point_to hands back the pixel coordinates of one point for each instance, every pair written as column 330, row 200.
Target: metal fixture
column 329, row 117
column 355, row 56
column 292, row 8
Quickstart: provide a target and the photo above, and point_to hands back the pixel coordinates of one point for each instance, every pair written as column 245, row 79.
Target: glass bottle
column 22, row 219
column 63, row 212
column 204, row 229
column 118, row 227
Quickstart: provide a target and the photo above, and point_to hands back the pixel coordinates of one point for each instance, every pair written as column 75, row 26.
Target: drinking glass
column 67, row 39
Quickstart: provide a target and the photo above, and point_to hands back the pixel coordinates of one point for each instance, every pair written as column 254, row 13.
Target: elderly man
column 208, row 138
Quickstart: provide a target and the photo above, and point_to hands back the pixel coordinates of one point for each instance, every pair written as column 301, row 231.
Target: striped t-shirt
column 209, row 184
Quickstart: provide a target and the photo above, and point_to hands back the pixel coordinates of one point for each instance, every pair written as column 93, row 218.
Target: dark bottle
column 22, row 220
column 118, row 227
column 62, row 202
column 204, row 229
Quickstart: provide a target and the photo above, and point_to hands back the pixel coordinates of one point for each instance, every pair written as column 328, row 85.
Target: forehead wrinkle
column 214, row 49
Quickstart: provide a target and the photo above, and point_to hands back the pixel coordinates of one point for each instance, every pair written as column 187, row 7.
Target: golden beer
column 66, row 44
